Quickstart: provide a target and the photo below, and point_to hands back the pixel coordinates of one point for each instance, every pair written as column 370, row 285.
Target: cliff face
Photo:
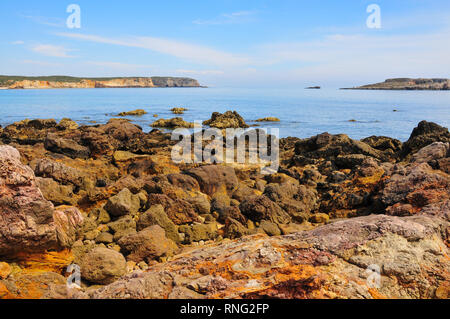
column 408, row 84
column 138, row 82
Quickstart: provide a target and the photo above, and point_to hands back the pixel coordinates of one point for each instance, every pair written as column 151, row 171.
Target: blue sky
column 229, row 43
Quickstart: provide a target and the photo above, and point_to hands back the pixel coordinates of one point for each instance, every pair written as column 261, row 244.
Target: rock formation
column 139, row 226
column 59, row 82
column 408, row 84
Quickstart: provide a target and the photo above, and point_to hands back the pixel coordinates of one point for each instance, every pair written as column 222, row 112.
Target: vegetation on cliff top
column 6, row 80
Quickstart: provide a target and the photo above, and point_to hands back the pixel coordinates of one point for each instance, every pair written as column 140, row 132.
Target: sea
column 302, row 112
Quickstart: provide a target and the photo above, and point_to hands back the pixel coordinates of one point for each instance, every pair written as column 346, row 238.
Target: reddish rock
column 179, row 211
column 328, row 262
column 214, row 177
column 259, row 208
column 26, row 221
column 148, row 244
column 425, row 134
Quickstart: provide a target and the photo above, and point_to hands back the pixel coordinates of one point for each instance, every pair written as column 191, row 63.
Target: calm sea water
column 303, row 113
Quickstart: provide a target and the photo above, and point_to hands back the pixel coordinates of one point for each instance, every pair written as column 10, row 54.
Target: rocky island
column 407, row 84
column 109, row 199
column 66, row 82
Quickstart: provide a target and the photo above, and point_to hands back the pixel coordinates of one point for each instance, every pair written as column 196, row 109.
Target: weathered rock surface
column 330, row 147
column 328, row 262
column 28, row 222
column 123, row 203
column 157, row 216
column 344, row 207
column 176, row 122
column 229, row 119
column 66, row 146
column 102, row 266
column 213, row 178
column 425, row 134
column 137, row 112
column 148, row 244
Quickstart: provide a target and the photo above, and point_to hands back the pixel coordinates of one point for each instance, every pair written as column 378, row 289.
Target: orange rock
column 4, row 292
column 5, row 270
column 443, row 291
column 30, row 285
column 54, row 261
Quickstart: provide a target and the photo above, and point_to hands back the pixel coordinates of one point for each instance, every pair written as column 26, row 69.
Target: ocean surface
column 303, row 113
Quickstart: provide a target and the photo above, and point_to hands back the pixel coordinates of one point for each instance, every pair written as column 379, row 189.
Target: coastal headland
column 407, row 84
column 67, row 82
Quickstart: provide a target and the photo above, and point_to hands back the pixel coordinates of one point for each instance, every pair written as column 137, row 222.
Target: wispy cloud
column 41, row 63
column 200, row 72
column 186, row 51
column 18, row 42
column 361, row 56
column 228, row 18
column 56, row 51
column 48, row 21
column 118, row 65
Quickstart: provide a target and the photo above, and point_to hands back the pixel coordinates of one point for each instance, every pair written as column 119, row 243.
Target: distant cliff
column 407, row 84
column 62, row 82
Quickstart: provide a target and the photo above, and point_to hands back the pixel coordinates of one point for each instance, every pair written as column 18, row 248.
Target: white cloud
column 52, row 50
column 40, row 63
column 119, row 65
column 187, row 51
column 200, row 72
column 227, row 18
column 48, row 21
column 363, row 56
column 18, row 42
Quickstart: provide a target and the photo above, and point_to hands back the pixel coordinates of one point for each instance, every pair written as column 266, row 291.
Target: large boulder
column 123, row 203
column 297, row 200
column 59, row 172
column 28, row 222
column 148, row 244
column 67, row 124
column 176, row 122
column 68, row 221
column 229, row 119
column 117, row 134
column 26, row 219
column 102, row 266
column 68, row 147
column 157, row 216
column 28, row 132
column 56, row 193
column 258, row 208
column 328, row 147
column 432, row 154
column 213, row 178
column 425, row 134
column 179, row 211
column 417, row 188
column 383, row 143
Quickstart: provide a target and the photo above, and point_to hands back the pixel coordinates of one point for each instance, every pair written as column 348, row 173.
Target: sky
column 229, row 43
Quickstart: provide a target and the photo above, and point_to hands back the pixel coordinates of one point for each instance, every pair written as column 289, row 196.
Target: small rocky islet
column 109, row 199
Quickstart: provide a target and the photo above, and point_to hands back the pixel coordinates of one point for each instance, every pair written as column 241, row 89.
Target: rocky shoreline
column 109, row 199
column 407, row 84
column 66, row 82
